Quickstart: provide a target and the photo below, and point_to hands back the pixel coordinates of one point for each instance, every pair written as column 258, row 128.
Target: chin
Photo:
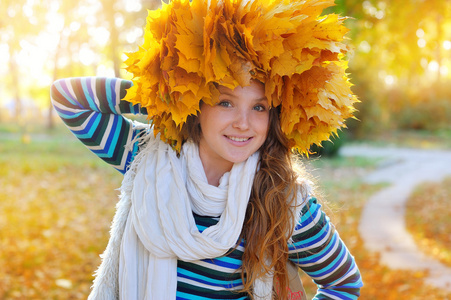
column 238, row 158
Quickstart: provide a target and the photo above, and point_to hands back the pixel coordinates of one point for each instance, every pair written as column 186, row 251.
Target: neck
column 214, row 174
column 214, row 168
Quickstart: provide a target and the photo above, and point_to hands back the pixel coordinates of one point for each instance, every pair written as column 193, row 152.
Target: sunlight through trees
column 400, row 65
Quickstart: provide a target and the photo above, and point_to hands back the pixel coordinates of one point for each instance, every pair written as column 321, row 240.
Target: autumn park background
column 57, row 199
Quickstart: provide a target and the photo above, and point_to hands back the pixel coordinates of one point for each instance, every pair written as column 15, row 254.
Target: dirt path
column 382, row 224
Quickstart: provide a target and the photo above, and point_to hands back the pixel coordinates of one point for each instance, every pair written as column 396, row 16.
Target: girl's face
column 235, row 127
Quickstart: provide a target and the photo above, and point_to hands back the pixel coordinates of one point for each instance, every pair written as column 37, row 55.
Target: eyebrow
column 255, row 100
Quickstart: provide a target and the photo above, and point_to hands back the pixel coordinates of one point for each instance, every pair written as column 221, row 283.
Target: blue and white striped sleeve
column 92, row 109
column 318, row 250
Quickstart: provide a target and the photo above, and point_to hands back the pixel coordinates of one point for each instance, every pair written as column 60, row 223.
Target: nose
column 241, row 120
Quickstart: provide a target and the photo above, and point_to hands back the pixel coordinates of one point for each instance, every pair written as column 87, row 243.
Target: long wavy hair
column 270, row 219
column 270, row 216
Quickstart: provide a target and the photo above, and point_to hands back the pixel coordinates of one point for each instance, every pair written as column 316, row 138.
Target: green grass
column 39, row 146
column 346, row 162
column 334, row 173
column 424, row 139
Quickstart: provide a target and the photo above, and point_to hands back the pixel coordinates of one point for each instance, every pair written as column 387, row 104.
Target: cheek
column 267, row 128
column 264, row 125
column 210, row 122
column 262, row 128
column 204, row 116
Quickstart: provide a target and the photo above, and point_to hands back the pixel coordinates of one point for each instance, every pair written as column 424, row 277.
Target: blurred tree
column 73, row 38
column 401, row 54
column 122, row 20
column 60, row 10
column 402, row 48
column 16, row 26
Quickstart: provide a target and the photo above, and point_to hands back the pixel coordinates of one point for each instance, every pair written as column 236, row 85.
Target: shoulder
column 305, row 191
column 146, row 144
column 307, row 203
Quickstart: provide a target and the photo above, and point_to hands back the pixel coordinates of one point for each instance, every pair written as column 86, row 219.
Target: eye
column 224, row 103
column 260, row 108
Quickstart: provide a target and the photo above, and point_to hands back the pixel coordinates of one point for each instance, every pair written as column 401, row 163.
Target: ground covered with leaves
column 428, row 219
column 340, row 180
column 57, row 202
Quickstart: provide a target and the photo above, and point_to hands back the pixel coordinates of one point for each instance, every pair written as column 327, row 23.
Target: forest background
column 400, row 66
column 51, row 237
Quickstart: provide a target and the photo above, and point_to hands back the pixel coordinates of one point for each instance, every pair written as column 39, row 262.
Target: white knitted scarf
column 154, row 224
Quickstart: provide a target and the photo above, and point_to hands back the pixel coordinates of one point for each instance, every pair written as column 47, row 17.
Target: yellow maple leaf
column 190, row 65
column 327, row 29
column 189, row 46
column 284, row 64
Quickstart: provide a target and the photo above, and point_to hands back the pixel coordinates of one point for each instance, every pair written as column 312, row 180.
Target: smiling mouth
column 237, row 139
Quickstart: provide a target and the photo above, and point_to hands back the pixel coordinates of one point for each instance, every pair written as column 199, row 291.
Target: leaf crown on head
column 191, row 46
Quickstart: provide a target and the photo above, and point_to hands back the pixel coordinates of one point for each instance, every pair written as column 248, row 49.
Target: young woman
column 211, row 205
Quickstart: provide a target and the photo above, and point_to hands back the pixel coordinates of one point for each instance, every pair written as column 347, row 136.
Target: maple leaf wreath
column 299, row 54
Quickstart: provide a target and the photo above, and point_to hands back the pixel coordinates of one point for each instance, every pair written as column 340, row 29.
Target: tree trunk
column 114, row 46
column 14, row 71
column 114, row 38
column 50, row 122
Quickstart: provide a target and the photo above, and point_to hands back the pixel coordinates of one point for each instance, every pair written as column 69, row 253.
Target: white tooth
column 238, row 139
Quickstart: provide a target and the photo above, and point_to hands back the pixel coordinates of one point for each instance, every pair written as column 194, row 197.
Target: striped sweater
column 93, row 110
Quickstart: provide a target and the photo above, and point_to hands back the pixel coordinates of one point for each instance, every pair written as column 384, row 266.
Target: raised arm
column 318, row 250
column 92, row 109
